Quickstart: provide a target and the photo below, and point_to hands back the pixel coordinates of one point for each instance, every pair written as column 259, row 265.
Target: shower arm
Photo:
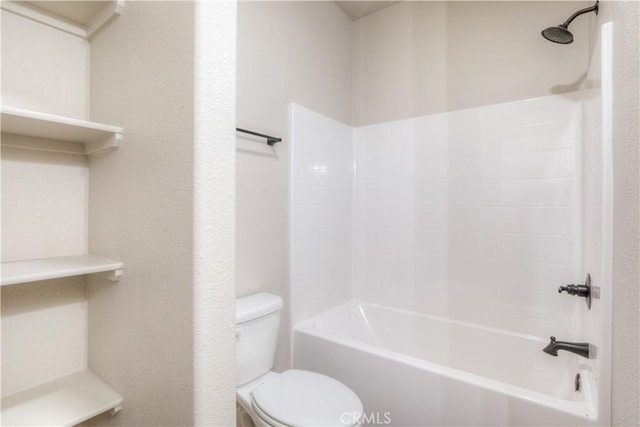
column 593, row 8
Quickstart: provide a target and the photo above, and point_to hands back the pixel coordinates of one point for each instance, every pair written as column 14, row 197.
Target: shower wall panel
column 473, row 214
column 321, row 214
column 401, row 211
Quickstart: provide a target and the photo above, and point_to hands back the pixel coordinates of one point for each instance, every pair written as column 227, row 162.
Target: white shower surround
column 472, row 216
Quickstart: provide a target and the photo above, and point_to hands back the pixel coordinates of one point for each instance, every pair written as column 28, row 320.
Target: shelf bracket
column 104, row 17
column 112, row 276
column 108, row 144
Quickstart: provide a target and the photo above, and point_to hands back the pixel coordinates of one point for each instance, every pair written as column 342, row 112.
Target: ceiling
column 359, row 9
column 82, row 11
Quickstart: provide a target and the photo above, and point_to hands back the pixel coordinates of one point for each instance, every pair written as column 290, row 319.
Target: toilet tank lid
column 257, row 305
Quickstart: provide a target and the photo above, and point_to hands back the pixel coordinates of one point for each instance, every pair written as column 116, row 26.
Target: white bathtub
column 417, row 370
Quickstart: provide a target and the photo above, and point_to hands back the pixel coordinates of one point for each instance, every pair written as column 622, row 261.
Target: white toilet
column 293, row 398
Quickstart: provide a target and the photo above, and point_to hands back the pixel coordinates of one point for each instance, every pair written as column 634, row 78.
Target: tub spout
column 581, row 349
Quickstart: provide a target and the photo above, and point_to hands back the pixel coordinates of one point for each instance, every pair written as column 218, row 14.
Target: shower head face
column 559, row 34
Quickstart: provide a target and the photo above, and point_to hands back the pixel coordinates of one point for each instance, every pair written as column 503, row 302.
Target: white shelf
column 93, row 137
column 66, row 401
column 54, row 268
column 80, row 18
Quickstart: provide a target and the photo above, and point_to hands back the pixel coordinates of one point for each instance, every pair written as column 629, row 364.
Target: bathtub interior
column 490, row 353
column 418, row 392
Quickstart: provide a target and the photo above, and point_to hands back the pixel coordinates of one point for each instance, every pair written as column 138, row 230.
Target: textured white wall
column 214, row 213
column 44, row 69
column 44, row 329
column 417, row 58
column 44, row 207
column 44, row 204
column 141, row 210
column 287, row 52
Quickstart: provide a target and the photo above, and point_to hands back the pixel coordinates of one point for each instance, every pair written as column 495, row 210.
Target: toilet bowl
column 293, row 398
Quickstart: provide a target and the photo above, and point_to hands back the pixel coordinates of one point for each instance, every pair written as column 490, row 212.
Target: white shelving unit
column 66, row 401
column 55, row 268
column 71, row 399
column 57, row 133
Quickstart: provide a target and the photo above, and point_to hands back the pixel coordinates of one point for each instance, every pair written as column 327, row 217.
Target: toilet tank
column 257, row 323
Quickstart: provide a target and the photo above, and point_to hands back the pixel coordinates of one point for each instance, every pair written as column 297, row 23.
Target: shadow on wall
column 255, row 146
column 42, row 295
column 570, row 87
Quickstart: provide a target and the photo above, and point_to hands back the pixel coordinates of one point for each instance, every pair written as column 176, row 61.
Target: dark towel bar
column 270, row 139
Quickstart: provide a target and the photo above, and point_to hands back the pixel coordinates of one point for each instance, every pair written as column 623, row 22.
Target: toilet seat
column 298, row 398
column 264, row 417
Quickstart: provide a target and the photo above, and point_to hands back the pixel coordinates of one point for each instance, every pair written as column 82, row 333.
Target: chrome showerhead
column 561, row 33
